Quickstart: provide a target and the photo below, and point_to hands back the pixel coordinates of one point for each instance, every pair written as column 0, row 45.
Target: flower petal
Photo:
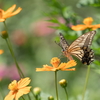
column 79, row 27
column 64, row 66
column 15, row 12
column 10, row 96
column 1, row 51
column 88, row 21
column 10, row 10
column 71, row 69
column 96, row 26
column 2, row 20
column 23, row 82
column 22, row 91
column 45, row 68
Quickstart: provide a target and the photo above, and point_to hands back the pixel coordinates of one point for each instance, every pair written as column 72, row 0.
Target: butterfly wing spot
column 88, row 56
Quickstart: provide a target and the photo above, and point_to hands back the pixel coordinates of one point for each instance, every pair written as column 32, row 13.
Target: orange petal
column 15, row 12
column 71, row 63
column 22, row 91
column 23, row 82
column 10, row 10
column 2, row 20
column 72, row 69
column 88, row 21
column 1, row 51
column 79, row 27
column 10, row 96
column 96, row 26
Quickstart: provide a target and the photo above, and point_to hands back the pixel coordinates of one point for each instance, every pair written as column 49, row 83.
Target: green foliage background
column 38, row 50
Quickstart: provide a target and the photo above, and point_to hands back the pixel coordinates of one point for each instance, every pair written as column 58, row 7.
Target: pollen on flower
column 88, row 20
column 55, row 61
column 13, row 85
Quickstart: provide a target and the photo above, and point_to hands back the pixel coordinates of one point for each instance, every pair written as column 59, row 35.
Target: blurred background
column 33, row 33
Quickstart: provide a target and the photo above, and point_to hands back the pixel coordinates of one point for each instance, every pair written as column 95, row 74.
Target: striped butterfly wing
column 63, row 43
column 85, row 40
column 80, row 47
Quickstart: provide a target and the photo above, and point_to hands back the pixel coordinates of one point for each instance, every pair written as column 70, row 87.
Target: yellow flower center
column 13, row 86
column 55, row 61
column 88, row 21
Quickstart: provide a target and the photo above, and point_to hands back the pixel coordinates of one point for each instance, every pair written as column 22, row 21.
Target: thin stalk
column 86, row 82
column 23, row 98
column 2, row 94
column 56, row 85
column 12, row 53
column 66, row 93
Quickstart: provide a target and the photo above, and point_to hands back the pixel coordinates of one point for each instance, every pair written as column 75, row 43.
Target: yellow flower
column 1, row 51
column 87, row 25
column 56, row 65
column 17, row 89
column 8, row 13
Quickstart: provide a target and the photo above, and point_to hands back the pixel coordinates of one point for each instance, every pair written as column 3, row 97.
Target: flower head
column 1, row 51
column 17, row 89
column 56, row 65
column 87, row 25
column 8, row 13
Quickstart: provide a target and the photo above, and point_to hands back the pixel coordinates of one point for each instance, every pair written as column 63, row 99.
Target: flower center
column 13, row 86
column 55, row 62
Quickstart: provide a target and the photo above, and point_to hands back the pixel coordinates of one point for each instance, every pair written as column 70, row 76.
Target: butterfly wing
column 79, row 48
column 63, row 42
column 84, row 40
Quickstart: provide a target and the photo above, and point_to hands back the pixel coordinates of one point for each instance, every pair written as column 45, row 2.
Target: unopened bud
column 36, row 90
column 50, row 98
column 4, row 34
column 63, row 83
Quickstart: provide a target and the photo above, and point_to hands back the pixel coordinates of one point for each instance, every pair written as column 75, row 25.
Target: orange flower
column 1, row 51
column 87, row 24
column 18, row 89
column 8, row 13
column 56, row 65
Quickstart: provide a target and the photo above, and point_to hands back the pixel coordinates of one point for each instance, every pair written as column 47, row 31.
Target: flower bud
column 50, row 98
column 4, row 34
column 36, row 90
column 63, row 83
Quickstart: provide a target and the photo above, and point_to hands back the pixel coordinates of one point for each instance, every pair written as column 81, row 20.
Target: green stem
column 56, row 85
column 66, row 93
column 86, row 82
column 12, row 53
column 1, row 92
column 23, row 98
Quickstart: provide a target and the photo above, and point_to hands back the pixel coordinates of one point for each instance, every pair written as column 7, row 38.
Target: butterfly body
column 79, row 48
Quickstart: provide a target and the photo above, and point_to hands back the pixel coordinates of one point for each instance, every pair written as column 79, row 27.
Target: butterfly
column 79, row 48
